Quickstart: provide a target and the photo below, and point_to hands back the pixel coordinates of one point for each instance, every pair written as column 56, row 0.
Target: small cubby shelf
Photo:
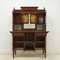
column 19, row 45
column 29, row 38
column 29, row 46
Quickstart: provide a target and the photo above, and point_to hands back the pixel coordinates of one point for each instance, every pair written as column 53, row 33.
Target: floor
column 29, row 56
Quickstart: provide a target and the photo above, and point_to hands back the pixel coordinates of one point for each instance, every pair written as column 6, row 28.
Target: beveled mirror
column 33, row 18
column 25, row 18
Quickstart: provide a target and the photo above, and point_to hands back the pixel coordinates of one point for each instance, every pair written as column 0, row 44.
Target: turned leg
column 43, row 51
column 15, row 51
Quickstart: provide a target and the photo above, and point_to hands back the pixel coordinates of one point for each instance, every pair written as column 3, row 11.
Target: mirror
column 33, row 18
column 25, row 18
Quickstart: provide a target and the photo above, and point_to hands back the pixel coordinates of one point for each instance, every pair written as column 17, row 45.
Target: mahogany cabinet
column 29, row 38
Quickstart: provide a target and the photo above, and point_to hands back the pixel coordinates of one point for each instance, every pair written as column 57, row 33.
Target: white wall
column 53, row 23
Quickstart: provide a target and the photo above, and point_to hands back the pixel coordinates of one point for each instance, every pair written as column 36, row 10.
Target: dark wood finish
column 29, row 39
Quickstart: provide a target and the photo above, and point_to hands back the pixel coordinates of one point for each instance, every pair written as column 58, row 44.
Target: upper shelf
column 29, row 8
column 24, row 10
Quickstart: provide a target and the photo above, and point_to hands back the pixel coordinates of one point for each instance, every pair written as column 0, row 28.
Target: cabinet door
column 33, row 18
column 16, row 18
column 40, row 19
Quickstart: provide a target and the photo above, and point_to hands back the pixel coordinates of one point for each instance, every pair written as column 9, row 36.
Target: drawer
column 40, row 34
column 18, row 34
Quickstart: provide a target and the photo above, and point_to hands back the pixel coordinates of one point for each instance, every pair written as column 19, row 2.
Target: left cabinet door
column 17, row 18
column 17, row 22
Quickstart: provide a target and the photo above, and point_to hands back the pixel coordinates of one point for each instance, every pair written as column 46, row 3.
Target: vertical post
column 13, row 45
column 13, row 52
column 45, row 45
column 29, row 18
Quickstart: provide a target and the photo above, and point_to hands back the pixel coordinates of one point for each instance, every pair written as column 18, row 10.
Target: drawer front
column 18, row 34
column 40, row 34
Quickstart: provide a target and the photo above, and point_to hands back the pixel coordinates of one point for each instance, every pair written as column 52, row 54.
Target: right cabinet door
column 41, row 19
column 33, row 18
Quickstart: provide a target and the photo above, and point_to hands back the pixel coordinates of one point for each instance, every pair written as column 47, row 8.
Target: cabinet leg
column 13, row 53
column 34, row 50
column 24, row 49
column 45, row 53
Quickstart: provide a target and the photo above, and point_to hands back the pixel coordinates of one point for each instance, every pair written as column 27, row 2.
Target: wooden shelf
column 29, row 46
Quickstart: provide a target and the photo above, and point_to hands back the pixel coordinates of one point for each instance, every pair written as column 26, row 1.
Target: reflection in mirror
column 25, row 18
column 40, row 19
column 33, row 18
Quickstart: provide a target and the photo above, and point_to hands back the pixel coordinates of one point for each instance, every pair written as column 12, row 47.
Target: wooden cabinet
column 29, row 39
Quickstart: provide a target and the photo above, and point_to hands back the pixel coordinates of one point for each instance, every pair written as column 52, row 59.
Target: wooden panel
column 40, row 34
column 29, row 8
